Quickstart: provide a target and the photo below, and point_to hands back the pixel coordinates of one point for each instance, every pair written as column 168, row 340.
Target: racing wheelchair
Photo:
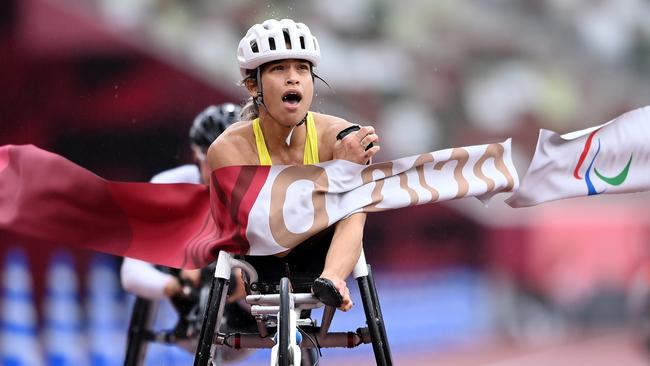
column 188, row 306
column 280, row 299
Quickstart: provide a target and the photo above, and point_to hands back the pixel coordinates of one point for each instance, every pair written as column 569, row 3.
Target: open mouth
column 292, row 98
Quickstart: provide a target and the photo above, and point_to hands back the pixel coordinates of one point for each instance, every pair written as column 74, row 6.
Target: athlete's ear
column 251, row 86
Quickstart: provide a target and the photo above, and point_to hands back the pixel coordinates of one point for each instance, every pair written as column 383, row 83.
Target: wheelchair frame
column 276, row 313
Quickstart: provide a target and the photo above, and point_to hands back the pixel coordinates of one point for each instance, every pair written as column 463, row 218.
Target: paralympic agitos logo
column 614, row 181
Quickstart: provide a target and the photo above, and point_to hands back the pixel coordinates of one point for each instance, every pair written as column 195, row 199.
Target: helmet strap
column 288, row 140
column 316, row 76
column 259, row 98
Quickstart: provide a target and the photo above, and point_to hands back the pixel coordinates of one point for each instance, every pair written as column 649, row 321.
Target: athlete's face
column 288, row 89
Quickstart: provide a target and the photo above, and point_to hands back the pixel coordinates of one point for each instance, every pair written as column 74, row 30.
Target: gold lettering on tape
column 288, row 176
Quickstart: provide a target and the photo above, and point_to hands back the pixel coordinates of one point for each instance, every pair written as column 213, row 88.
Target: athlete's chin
column 293, row 108
column 296, row 113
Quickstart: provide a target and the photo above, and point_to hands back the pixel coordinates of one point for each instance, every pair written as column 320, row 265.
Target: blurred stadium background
column 114, row 84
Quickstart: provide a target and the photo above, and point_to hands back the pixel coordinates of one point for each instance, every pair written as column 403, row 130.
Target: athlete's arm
column 143, row 279
column 346, row 244
column 349, row 231
column 343, row 254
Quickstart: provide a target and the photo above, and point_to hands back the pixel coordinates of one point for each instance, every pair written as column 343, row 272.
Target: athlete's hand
column 237, row 287
column 359, row 146
column 172, row 287
column 192, row 275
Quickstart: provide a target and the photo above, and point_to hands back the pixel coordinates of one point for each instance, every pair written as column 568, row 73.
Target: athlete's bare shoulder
column 235, row 146
column 329, row 126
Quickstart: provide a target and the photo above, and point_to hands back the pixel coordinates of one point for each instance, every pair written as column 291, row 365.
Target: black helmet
column 210, row 123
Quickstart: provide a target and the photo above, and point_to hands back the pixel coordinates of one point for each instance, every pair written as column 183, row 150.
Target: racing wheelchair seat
column 279, row 294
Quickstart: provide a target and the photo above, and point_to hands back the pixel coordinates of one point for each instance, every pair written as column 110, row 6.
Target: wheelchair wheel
column 374, row 319
column 141, row 320
column 380, row 316
column 211, row 318
column 283, row 324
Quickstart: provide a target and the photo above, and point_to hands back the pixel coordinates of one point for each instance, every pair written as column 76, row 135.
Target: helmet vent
column 272, row 43
column 302, row 42
column 254, row 47
column 287, row 38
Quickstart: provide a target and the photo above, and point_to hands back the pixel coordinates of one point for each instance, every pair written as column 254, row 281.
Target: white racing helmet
column 276, row 40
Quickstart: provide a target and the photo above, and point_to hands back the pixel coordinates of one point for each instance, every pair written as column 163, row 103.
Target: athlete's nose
column 292, row 77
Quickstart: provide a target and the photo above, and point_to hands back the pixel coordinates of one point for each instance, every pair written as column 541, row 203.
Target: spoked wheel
column 283, row 324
